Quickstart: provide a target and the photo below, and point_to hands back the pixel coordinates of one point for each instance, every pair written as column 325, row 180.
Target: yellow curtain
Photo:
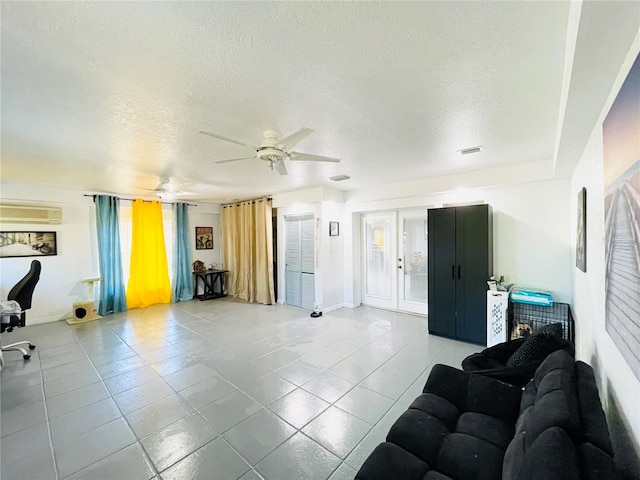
column 149, row 274
column 247, row 250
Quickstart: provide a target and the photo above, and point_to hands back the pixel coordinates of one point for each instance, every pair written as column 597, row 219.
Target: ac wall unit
column 30, row 214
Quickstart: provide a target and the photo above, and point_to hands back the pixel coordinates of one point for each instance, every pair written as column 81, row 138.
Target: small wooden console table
column 209, row 279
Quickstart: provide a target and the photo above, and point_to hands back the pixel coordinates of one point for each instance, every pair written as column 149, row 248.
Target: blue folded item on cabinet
column 531, row 297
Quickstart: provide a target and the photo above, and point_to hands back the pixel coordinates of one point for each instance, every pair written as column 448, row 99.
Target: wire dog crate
column 525, row 319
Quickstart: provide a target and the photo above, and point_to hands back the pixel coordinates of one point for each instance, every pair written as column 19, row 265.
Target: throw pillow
column 535, row 347
column 552, row 329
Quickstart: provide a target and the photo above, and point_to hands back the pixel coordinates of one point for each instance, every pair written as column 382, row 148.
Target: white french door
column 395, row 260
column 380, row 283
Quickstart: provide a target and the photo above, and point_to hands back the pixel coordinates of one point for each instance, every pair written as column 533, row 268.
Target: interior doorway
column 274, row 244
column 395, row 260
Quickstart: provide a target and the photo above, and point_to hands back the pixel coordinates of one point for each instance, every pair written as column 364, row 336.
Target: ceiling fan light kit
column 275, row 150
column 339, row 178
column 470, row 150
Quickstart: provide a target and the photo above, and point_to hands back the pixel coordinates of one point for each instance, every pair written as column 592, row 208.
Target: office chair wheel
column 26, row 357
column 32, row 347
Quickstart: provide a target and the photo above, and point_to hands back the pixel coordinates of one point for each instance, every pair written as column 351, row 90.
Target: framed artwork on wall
column 334, row 229
column 204, row 238
column 581, row 239
column 621, row 172
column 28, row 244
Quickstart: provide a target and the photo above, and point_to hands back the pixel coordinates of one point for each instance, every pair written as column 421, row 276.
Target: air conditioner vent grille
column 30, row 214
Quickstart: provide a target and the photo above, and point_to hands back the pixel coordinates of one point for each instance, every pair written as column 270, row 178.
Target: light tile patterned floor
column 212, row 390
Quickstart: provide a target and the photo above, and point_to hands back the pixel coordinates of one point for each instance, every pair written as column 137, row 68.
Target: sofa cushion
column 595, row 464
column 487, row 428
column 551, row 456
column 466, row 457
column 390, row 461
column 474, row 393
column 593, row 421
column 419, row 433
column 549, row 422
column 437, row 406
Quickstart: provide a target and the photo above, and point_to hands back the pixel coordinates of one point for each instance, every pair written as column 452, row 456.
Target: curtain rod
column 268, row 198
column 133, row 199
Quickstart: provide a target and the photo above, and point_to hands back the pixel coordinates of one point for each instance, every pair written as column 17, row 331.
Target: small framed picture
column 204, row 238
column 334, row 229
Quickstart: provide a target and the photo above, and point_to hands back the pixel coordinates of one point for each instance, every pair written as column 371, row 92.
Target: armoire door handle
column 459, row 272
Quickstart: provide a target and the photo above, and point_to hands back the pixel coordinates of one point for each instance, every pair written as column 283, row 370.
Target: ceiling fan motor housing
column 270, row 150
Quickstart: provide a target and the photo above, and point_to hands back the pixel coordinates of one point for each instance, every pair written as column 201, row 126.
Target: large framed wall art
column 621, row 153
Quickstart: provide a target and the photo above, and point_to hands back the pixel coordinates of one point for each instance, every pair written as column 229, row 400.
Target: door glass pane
column 415, row 259
column 378, row 257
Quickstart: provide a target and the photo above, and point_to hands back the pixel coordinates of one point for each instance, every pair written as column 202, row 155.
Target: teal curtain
column 182, row 281
column 112, row 292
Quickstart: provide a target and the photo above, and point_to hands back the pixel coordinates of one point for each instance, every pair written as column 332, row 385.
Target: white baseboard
column 47, row 319
column 350, row 305
column 332, row 308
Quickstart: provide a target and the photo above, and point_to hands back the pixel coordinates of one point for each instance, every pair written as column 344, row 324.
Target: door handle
column 459, row 271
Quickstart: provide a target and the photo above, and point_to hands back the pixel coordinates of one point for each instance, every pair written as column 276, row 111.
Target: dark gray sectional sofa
column 471, row 427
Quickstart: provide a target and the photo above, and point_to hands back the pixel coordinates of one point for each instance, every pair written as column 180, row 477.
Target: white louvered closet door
column 300, row 261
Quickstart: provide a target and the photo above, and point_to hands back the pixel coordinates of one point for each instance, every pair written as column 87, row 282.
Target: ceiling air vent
column 30, row 214
column 339, row 178
column 467, row 151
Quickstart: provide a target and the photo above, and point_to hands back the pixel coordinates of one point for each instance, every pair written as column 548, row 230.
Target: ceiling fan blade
column 280, row 168
column 295, row 138
column 307, row 157
column 235, row 159
column 227, row 139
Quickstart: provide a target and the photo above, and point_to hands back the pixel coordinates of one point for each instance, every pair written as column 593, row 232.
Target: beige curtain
column 247, row 250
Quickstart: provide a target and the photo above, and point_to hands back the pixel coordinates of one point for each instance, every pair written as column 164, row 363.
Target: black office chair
column 22, row 293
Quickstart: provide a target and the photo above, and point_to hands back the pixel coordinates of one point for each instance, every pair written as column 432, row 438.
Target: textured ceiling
column 110, row 96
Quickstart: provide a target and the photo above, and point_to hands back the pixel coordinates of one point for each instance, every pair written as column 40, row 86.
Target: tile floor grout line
column 222, row 438
column 275, row 328
column 137, row 440
column 46, row 416
column 196, row 411
column 264, row 407
column 396, row 401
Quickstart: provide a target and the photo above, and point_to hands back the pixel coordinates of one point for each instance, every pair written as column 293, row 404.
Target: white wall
column 60, row 281
column 206, row 215
column 593, row 344
column 61, row 278
column 332, row 254
column 531, row 237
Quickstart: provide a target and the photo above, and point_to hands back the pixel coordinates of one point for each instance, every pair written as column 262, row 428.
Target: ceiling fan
column 276, row 150
column 167, row 189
